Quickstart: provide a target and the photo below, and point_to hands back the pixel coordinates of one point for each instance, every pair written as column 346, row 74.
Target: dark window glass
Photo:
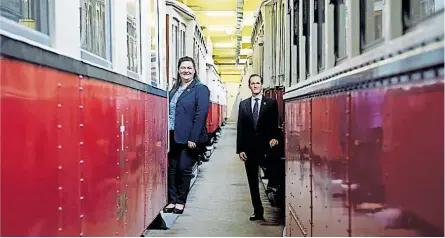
column 339, row 29
column 306, row 33
column 320, row 20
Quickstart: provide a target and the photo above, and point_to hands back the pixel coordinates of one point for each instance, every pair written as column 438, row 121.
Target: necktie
column 255, row 112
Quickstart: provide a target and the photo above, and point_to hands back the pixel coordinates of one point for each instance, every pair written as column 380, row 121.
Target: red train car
column 83, row 149
column 365, row 139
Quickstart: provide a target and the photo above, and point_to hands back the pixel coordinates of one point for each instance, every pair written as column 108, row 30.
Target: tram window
column 183, row 39
column 133, row 35
column 154, row 27
column 296, row 21
column 339, row 29
column 274, row 41
column 296, row 37
column 415, row 11
column 174, row 50
column 95, row 30
column 371, row 30
column 26, row 18
column 320, row 20
column 306, row 33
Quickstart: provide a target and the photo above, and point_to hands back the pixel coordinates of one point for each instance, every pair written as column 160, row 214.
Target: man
column 257, row 132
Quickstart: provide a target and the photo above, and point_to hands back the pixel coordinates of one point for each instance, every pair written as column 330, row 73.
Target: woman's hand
column 191, row 145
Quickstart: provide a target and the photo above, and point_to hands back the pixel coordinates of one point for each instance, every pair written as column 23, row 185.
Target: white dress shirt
column 259, row 96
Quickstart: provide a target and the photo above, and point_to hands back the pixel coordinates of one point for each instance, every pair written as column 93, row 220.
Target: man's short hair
column 255, row 75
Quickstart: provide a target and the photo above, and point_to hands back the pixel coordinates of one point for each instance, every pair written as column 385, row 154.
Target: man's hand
column 273, row 143
column 191, row 145
column 243, row 156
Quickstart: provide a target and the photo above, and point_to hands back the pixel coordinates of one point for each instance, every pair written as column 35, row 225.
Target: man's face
column 255, row 85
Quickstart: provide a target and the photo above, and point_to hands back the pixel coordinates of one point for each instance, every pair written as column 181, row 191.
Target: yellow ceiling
column 218, row 17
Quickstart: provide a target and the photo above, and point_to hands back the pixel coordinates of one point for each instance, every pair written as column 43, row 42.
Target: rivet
column 60, row 229
column 81, row 234
column 117, row 191
column 81, row 179
column 60, row 147
column 80, row 76
column 60, row 167
column 117, row 233
column 118, row 150
column 126, row 185
column 80, row 88
column 81, row 107
column 117, row 163
column 81, row 125
column 81, row 143
column 81, row 197
column 60, row 187
column 59, row 126
column 81, row 216
column 60, row 208
column 81, row 161
column 59, row 105
column 126, row 172
column 117, row 177
column 59, row 85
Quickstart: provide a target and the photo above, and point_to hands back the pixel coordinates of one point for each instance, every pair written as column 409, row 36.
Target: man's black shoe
column 256, row 217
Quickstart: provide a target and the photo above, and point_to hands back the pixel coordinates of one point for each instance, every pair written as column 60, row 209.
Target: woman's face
column 186, row 71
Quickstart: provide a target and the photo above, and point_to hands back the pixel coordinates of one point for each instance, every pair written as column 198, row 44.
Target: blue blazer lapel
column 171, row 93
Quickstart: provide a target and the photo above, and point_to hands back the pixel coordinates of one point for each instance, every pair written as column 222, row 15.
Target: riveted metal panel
column 79, row 151
column 298, row 169
column 329, row 120
column 31, row 145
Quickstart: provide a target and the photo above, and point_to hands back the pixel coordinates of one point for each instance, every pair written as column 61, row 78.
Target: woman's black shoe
column 178, row 211
column 168, row 210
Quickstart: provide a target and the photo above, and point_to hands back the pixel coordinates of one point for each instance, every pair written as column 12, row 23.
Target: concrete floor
column 219, row 203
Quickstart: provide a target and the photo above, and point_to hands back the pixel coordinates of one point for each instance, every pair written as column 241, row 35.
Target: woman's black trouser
column 180, row 165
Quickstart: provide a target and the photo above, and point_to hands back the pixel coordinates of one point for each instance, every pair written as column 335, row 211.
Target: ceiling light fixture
column 223, row 45
column 220, row 13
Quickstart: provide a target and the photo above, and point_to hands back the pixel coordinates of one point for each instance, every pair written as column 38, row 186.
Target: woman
column 189, row 104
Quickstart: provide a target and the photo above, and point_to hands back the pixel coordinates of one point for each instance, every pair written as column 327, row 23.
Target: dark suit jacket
column 255, row 141
column 191, row 113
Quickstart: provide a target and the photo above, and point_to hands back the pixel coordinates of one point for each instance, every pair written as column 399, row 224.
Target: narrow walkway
column 219, row 202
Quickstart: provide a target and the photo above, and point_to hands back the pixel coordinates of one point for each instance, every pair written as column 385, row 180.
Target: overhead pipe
column 239, row 27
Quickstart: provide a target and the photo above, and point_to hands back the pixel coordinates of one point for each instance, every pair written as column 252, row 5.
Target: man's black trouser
column 252, row 165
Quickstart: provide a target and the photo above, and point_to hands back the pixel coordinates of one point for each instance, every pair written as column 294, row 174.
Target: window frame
column 131, row 73
column 37, row 36
column 306, row 32
column 320, row 19
column 336, row 46
column 367, row 46
column 409, row 25
column 157, row 17
column 90, row 56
